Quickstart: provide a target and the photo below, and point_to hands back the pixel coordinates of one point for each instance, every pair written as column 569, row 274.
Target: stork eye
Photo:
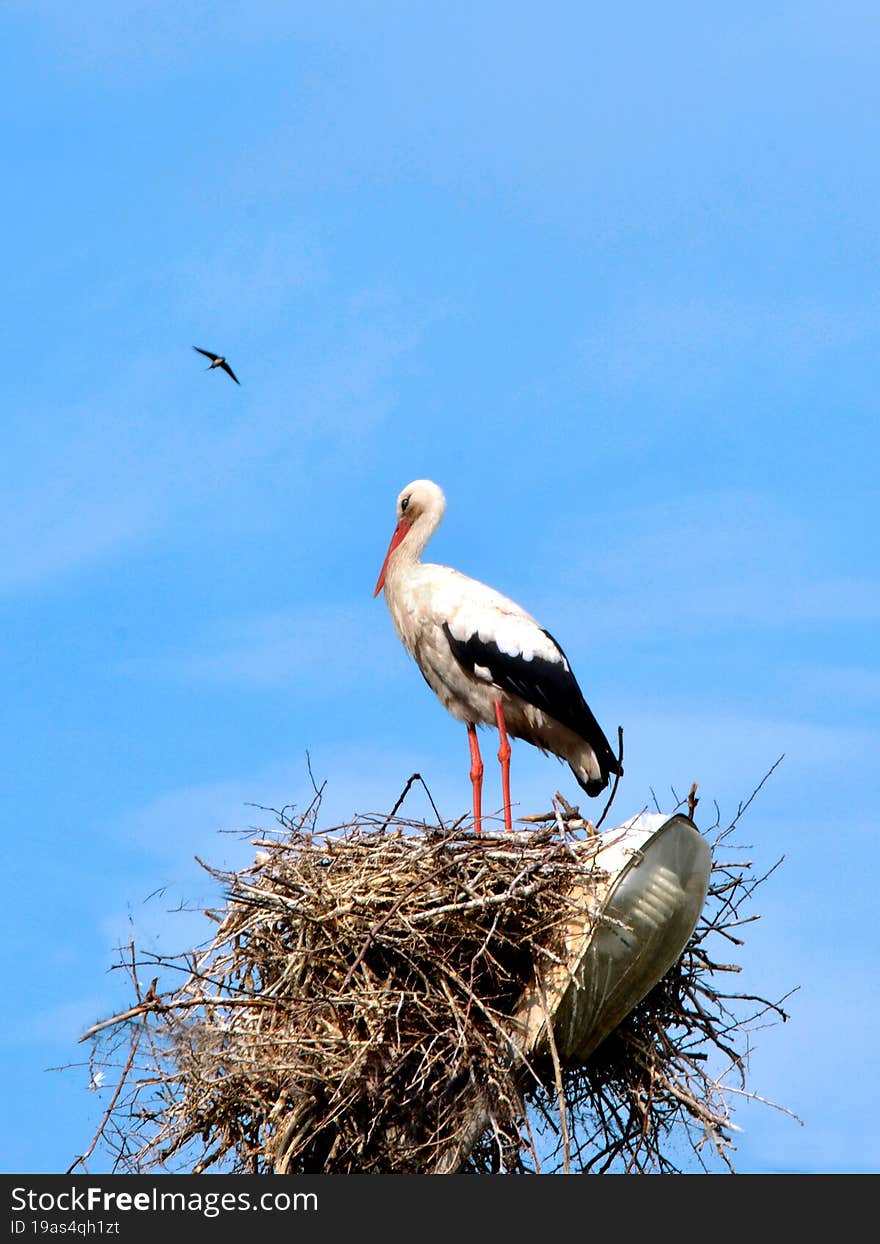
column 403, row 505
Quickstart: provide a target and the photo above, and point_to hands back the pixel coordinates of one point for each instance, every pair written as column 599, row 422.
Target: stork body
column 488, row 661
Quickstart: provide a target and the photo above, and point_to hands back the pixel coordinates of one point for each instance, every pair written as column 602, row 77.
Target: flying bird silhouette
column 218, row 360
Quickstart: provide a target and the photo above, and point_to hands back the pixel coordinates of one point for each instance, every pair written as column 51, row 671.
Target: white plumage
column 489, row 662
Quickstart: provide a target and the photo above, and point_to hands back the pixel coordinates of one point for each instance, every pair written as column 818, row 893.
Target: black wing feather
column 547, row 685
column 225, row 367
column 207, row 353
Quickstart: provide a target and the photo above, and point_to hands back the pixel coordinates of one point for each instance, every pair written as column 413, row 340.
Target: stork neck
column 409, row 551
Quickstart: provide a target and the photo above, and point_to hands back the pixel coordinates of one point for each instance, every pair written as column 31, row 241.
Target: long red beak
column 399, row 532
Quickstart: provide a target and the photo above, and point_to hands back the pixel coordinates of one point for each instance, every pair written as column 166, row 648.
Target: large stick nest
column 352, row 1014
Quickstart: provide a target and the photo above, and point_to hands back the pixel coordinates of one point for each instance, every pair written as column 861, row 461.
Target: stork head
column 420, row 507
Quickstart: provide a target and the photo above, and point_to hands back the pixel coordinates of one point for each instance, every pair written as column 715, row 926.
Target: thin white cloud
column 845, row 685
column 331, row 647
column 810, row 1084
column 732, row 746
column 728, row 754
column 687, row 347
column 98, row 40
column 258, row 276
column 59, row 1024
column 755, row 601
column 46, row 532
column 710, row 561
column 89, row 478
column 128, row 460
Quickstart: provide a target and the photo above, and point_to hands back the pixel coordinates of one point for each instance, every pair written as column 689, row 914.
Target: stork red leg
column 504, row 757
column 476, row 775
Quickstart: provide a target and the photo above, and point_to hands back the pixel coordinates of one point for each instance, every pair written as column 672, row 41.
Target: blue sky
column 610, row 277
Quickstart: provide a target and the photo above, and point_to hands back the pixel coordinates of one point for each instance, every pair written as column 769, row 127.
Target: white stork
column 489, row 661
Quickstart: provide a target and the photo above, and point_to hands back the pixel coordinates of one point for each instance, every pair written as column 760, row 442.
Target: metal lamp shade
column 635, row 923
